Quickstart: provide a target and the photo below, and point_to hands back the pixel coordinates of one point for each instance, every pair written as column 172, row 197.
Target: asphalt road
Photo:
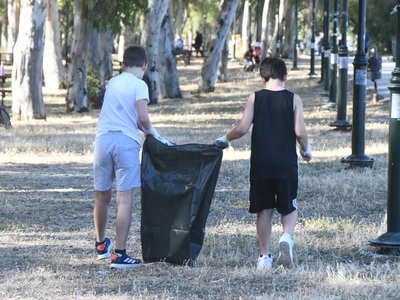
column 387, row 69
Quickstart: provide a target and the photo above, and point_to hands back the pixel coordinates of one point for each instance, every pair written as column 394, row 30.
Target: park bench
column 4, row 116
column 183, row 55
column 3, row 94
column 4, row 90
column 202, row 52
column 7, row 58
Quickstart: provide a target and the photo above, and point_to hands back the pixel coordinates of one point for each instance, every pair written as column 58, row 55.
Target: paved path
column 387, row 69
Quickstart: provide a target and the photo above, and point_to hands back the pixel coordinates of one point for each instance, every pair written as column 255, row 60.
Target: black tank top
column 273, row 139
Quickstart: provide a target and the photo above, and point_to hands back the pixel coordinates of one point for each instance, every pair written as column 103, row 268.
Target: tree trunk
column 13, row 12
column 3, row 30
column 27, row 72
column 77, row 72
column 106, row 42
column 127, row 37
column 156, row 10
column 223, row 66
column 246, row 27
column 100, row 54
column 218, row 38
column 289, row 34
column 169, row 79
column 93, row 56
column 53, row 69
column 265, row 27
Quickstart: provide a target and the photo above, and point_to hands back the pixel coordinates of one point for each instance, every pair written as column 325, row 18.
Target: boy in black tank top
column 278, row 124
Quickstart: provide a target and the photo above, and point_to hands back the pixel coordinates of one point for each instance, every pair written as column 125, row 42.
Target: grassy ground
column 46, row 202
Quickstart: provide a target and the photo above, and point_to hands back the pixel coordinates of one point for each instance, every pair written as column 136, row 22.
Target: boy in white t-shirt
column 116, row 153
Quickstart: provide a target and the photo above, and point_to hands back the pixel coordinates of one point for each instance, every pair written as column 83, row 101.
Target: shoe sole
column 106, row 255
column 125, row 266
column 284, row 258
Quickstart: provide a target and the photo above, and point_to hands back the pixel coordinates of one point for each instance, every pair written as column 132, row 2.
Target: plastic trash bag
column 178, row 184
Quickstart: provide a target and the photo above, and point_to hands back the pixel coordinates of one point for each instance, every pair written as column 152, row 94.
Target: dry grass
column 46, row 207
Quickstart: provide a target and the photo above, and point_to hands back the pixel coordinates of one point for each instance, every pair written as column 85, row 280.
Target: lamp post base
column 358, row 160
column 341, row 125
column 388, row 242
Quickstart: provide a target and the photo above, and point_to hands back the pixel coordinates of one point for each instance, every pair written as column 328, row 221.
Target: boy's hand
column 152, row 131
column 306, row 154
column 221, row 142
column 165, row 141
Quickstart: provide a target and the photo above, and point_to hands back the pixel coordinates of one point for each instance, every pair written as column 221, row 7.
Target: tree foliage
column 111, row 14
column 380, row 25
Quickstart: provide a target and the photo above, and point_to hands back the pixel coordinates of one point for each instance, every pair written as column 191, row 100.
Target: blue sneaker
column 119, row 261
column 104, row 250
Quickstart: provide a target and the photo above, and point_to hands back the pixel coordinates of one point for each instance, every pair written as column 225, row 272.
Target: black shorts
column 274, row 193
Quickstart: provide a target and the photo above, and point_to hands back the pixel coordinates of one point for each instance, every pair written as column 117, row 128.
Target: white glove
column 306, row 154
column 165, row 141
column 152, row 131
column 221, row 142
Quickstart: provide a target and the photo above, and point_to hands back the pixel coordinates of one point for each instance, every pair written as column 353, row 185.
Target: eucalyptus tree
column 154, row 15
column 288, row 35
column 13, row 11
column 27, row 71
column 218, row 37
column 265, row 26
column 246, row 26
column 168, row 79
column 88, row 14
column 77, row 69
column 53, row 69
column 3, row 24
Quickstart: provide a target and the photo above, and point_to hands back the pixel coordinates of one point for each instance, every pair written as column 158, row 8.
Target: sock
column 100, row 243
column 122, row 252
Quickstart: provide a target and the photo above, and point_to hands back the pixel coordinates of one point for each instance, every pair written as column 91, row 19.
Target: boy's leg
column 264, row 230
column 289, row 222
column 100, row 213
column 286, row 242
column 124, row 217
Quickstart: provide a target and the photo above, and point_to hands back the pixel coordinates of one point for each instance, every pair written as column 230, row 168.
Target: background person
column 198, row 41
column 178, row 43
column 248, row 60
column 257, row 53
column 277, row 118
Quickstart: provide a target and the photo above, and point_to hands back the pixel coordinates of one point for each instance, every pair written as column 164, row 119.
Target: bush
column 96, row 89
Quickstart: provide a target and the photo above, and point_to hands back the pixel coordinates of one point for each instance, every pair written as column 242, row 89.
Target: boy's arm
column 300, row 129
column 242, row 127
column 145, row 124
column 143, row 115
column 245, row 122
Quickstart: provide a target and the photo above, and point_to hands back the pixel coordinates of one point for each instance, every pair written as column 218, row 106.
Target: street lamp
column 358, row 158
column 327, row 48
column 391, row 239
column 296, row 37
column 334, row 58
column 341, row 122
column 312, row 60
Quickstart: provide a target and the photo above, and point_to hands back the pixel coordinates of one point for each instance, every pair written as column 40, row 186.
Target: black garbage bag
column 178, row 184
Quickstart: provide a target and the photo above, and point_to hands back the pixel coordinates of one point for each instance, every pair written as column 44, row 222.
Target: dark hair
column 273, row 67
column 134, row 56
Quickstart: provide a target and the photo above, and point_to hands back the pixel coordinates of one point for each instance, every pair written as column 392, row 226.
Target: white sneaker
column 285, row 251
column 264, row 262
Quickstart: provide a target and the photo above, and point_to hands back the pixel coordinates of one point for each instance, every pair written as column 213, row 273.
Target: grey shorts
column 116, row 156
column 274, row 193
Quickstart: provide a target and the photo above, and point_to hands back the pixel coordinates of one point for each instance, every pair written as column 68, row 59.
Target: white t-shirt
column 118, row 112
